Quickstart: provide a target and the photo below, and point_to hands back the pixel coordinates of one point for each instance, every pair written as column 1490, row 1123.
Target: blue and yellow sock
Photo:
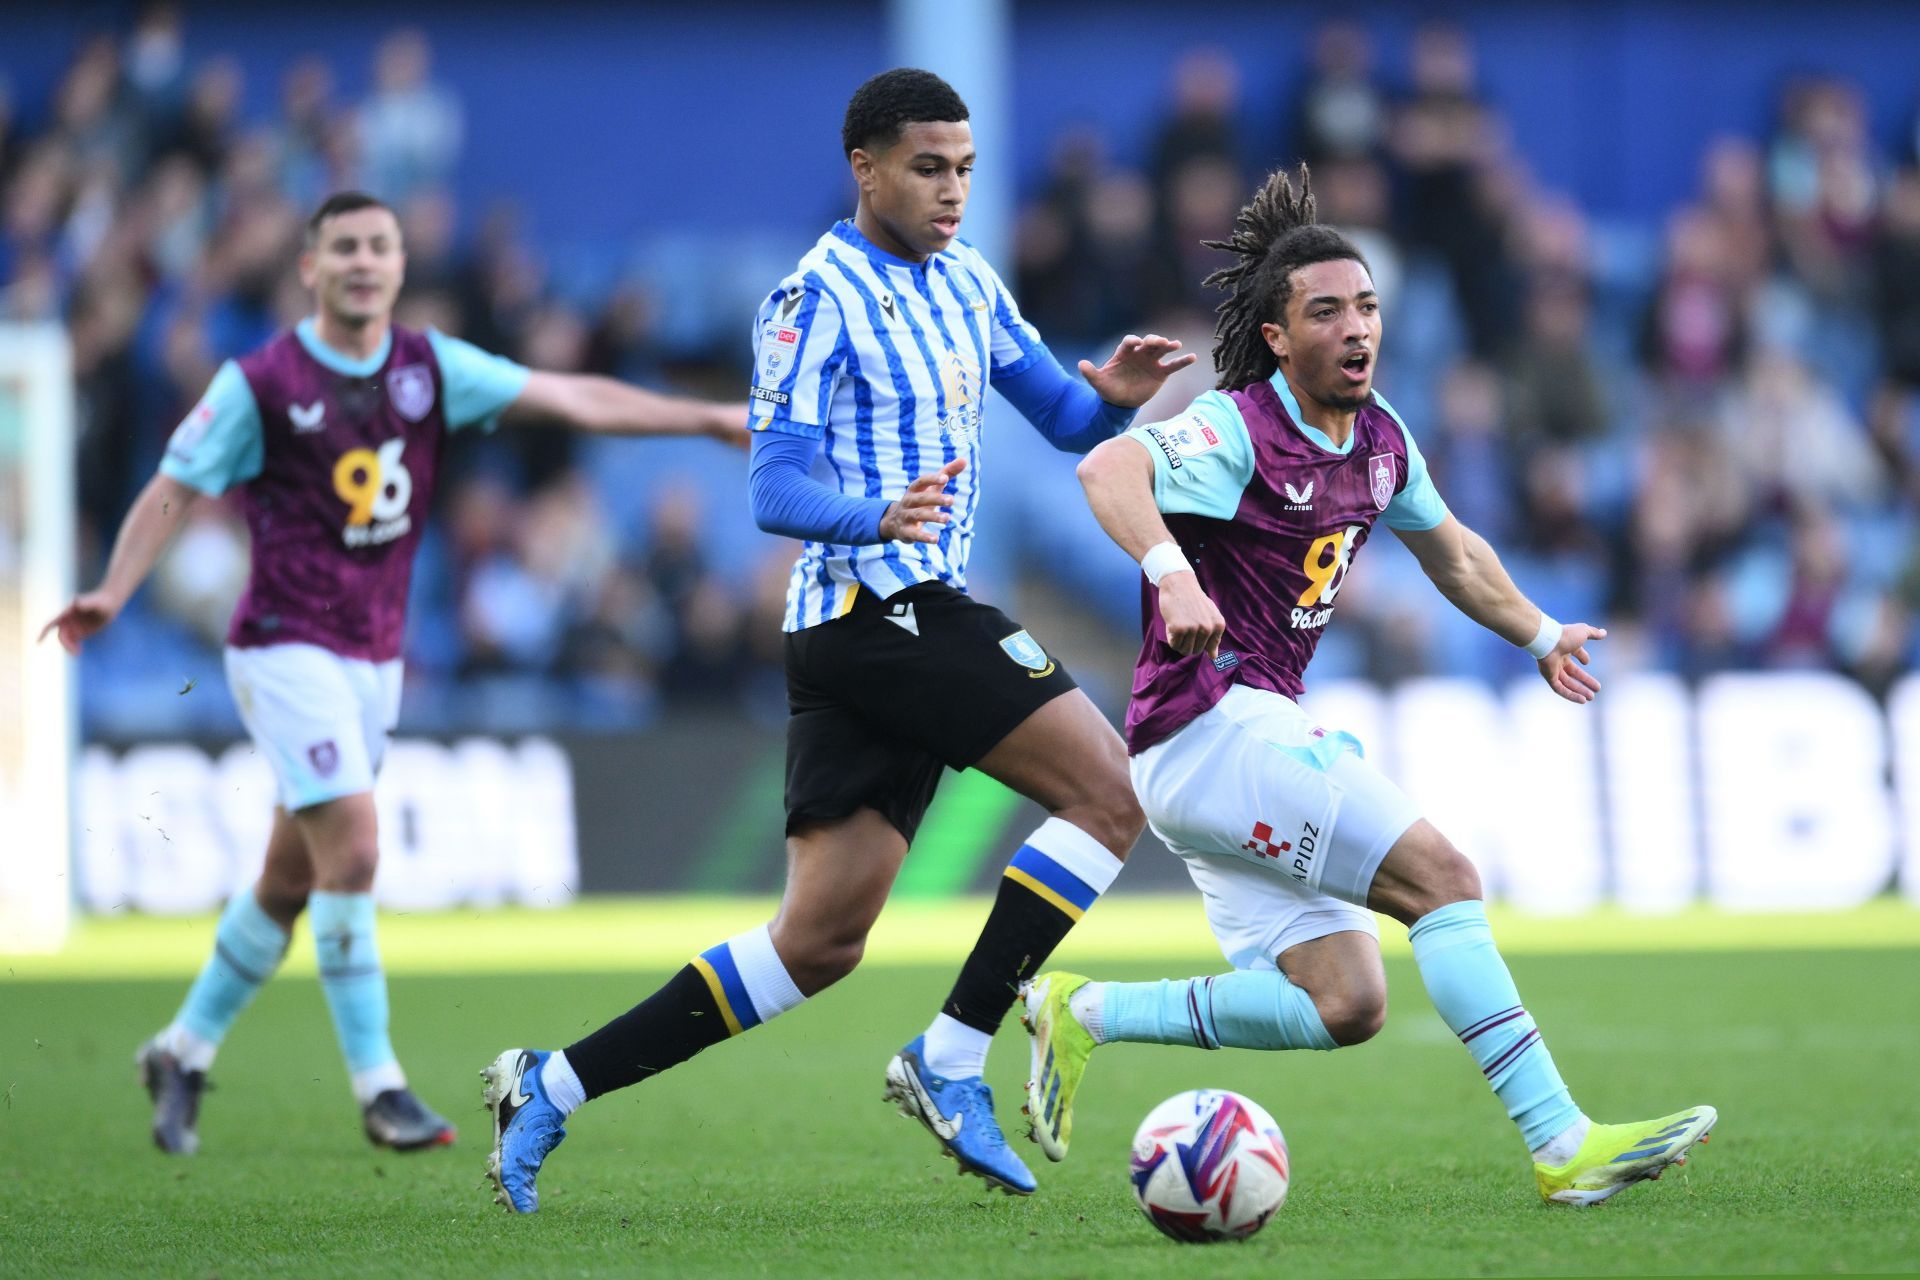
column 356, row 989
column 726, row 989
column 1053, row 878
column 1245, row 1009
column 1476, row 997
column 248, row 946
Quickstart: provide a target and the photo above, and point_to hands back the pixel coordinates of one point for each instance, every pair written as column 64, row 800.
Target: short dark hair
column 1274, row 236
column 893, row 99
column 338, row 203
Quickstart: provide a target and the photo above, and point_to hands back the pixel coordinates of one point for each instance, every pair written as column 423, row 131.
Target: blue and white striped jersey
column 886, row 362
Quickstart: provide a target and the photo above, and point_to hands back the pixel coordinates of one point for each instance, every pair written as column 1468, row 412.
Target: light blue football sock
column 1475, row 995
column 247, row 947
column 1245, row 1009
column 356, row 988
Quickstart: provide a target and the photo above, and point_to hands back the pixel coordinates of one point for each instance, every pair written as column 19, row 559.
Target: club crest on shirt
column 1380, row 470
column 410, row 387
column 966, row 290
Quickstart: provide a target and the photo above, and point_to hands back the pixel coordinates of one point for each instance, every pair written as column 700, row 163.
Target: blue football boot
column 526, row 1126
column 960, row 1114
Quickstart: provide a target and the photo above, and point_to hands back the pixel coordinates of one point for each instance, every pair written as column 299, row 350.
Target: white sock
column 563, row 1086
column 1564, row 1145
column 192, row 1052
column 374, row 1081
column 956, row 1050
column 1088, row 1006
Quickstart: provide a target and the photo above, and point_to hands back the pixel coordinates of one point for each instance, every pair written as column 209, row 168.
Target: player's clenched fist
column 918, row 513
column 1194, row 625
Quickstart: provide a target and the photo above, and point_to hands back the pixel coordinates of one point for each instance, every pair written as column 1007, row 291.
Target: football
column 1209, row 1165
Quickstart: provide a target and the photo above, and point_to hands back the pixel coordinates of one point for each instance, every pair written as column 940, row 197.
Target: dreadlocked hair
column 1274, row 236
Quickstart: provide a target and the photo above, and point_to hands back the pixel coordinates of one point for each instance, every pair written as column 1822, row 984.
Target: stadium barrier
column 1749, row 792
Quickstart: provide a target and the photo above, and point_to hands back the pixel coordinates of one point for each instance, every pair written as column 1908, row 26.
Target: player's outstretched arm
column 1468, row 573
column 1118, row 478
column 157, row 513
column 588, row 402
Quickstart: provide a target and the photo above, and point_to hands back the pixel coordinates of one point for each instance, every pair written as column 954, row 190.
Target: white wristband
column 1545, row 640
column 1162, row 559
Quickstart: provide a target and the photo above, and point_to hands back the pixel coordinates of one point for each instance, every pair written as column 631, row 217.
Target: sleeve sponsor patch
column 771, row 397
column 1192, row 435
column 188, row 435
column 779, row 349
column 1159, row 437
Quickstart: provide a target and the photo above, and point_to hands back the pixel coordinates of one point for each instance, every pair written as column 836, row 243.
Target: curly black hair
column 905, row 95
column 1274, row 236
column 342, row 202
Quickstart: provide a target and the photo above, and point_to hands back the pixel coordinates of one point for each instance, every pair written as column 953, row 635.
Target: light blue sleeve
column 477, row 385
column 1202, row 460
column 1417, row 506
column 219, row 444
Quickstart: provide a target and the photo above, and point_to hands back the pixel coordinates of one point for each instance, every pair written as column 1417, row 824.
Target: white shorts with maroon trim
column 1282, row 823
column 321, row 720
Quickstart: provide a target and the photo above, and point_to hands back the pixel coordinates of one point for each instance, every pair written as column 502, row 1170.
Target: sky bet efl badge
column 1380, row 467
column 778, row 346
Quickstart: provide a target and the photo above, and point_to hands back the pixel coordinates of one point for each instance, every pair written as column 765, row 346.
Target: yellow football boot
column 1615, row 1156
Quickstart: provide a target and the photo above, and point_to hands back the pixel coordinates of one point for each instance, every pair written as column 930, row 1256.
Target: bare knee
column 1109, row 811
column 350, row 868
column 1453, row 878
column 1352, row 1016
column 281, row 900
column 815, row 961
column 1422, row 873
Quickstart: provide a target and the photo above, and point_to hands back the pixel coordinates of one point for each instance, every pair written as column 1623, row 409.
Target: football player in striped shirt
column 873, row 361
column 1273, row 483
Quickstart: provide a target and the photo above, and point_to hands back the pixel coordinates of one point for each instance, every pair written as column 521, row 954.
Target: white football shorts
column 321, row 720
column 1282, row 824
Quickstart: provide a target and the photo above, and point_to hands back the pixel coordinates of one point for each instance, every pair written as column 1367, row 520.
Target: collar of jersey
column 845, row 230
column 1315, row 436
column 309, row 337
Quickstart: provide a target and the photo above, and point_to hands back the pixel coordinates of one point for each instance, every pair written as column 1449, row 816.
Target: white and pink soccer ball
column 1209, row 1165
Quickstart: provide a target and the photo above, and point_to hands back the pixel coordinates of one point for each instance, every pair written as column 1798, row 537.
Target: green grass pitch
column 773, row 1155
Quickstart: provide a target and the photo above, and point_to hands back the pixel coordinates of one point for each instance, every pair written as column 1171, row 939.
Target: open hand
column 919, row 512
column 84, row 618
column 1135, row 370
column 1570, row 679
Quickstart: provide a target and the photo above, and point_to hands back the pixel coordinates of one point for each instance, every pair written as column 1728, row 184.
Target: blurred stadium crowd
column 1704, row 434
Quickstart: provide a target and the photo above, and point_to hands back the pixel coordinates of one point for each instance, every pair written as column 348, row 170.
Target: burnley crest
column 411, row 390
column 1380, row 469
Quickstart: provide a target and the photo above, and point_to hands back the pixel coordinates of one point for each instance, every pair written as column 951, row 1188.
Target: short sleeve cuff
column 1026, row 361
column 787, row 426
column 183, row 474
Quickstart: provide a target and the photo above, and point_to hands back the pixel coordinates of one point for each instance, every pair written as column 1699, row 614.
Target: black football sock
column 1051, row 882
column 1020, row 933
column 668, row 1027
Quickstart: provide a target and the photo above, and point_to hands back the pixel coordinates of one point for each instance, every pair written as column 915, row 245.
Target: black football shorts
column 885, row 696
